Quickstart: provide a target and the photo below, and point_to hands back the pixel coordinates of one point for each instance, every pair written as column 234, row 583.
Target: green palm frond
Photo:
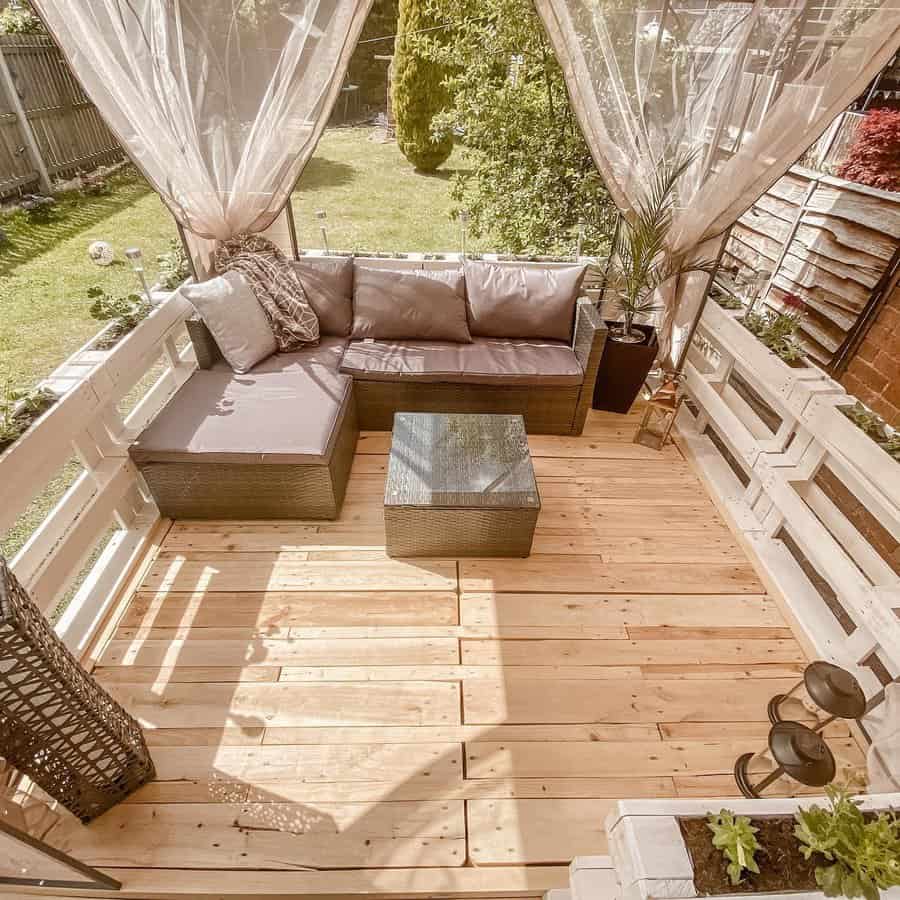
column 641, row 261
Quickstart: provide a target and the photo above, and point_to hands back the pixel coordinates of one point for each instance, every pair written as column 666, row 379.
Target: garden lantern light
column 827, row 692
column 463, row 216
column 659, row 416
column 795, row 757
column 136, row 258
column 322, row 216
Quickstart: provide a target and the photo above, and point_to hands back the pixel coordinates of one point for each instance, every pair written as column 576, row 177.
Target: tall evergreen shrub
column 418, row 91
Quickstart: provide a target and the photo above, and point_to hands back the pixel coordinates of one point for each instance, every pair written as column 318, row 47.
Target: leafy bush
column 19, row 408
column 529, row 178
column 875, row 427
column 736, row 838
column 125, row 313
column 874, row 157
column 864, row 854
column 777, row 330
column 174, row 267
column 20, row 19
column 419, row 92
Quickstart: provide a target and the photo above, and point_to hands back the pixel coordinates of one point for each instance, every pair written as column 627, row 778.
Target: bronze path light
column 795, row 757
column 827, row 692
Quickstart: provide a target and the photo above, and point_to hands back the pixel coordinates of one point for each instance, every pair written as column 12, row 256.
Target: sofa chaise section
column 276, row 442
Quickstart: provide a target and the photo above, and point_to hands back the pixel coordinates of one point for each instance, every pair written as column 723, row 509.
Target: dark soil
column 782, row 866
column 110, row 338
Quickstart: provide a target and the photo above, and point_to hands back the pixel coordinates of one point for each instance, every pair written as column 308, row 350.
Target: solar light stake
column 580, row 230
column 795, row 757
column 136, row 258
column 321, row 216
column 463, row 216
column 825, row 691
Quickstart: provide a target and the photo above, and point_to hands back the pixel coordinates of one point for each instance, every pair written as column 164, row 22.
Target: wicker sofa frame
column 546, row 410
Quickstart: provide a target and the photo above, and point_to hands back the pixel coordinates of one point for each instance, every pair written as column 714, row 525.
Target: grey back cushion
column 411, row 304
column 518, row 300
column 235, row 319
column 328, row 282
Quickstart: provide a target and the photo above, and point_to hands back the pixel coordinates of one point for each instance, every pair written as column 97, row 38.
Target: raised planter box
column 652, row 861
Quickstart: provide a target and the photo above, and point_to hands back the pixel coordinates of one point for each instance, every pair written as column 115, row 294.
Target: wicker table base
column 459, row 485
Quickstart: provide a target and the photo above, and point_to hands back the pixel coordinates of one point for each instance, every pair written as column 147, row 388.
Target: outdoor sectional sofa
column 278, row 441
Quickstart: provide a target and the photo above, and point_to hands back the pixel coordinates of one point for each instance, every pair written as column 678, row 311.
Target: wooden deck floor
column 312, row 704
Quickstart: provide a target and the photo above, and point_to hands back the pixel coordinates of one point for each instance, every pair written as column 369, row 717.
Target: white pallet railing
column 86, row 424
column 779, row 426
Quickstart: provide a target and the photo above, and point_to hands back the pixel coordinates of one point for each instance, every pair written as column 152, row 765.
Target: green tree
column 419, row 92
column 529, row 178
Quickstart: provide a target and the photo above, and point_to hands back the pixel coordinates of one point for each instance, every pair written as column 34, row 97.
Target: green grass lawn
column 373, row 198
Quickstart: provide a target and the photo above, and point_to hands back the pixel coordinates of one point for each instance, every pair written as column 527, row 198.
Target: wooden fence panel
column 828, row 241
column 67, row 127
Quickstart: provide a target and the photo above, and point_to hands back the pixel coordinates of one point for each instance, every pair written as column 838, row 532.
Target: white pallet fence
column 86, row 424
column 779, row 426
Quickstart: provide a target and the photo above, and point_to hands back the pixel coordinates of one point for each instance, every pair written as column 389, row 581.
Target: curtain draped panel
column 745, row 86
column 219, row 102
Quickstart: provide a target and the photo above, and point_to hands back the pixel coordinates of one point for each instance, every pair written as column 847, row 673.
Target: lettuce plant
column 736, row 838
column 862, row 855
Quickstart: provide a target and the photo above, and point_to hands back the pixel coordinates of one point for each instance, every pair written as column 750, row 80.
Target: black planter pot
column 623, row 369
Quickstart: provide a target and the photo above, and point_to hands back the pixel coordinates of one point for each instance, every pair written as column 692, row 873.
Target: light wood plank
column 495, row 702
column 505, row 832
column 283, row 609
column 581, row 760
column 627, row 653
column 254, row 705
column 453, row 673
column 275, row 652
column 437, row 764
column 163, row 675
column 270, row 836
column 264, row 572
column 487, row 610
column 461, row 733
column 578, row 574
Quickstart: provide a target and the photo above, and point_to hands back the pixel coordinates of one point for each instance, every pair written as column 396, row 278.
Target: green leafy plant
column 19, row 408
column 527, row 179
column 641, row 263
column 736, row 838
column 419, row 92
column 875, row 427
column 174, row 267
column 125, row 313
column 863, row 852
column 18, row 18
column 777, row 330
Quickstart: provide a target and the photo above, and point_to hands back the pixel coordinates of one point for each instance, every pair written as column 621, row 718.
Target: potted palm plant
column 640, row 266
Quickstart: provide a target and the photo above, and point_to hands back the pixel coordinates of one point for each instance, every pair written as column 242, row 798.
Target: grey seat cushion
column 484, row 361
column 287, row 410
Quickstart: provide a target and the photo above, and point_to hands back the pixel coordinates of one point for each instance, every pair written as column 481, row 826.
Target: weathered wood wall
column 829, row 241
column 68, row 130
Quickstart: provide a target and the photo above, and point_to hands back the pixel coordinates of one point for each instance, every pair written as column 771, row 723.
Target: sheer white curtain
column 745, row 86
column 219, row 102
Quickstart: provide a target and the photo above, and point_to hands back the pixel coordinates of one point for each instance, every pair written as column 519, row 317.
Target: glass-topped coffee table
column 459, row 484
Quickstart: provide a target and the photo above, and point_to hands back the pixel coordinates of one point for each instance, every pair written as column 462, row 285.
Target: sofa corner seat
column 277, row 442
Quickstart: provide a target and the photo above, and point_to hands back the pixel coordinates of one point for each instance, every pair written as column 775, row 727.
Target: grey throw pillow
column 235, row 319
column 411, row 304
column 520, row 300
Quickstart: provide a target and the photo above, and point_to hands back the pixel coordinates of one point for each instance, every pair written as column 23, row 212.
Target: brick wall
column 874, row 373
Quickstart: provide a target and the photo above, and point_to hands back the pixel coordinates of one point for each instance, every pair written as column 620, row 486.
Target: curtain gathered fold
column 745, row 87
column 220, row 103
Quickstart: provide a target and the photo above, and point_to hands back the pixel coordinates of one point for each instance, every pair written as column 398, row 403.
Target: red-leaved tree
column 874, row 157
